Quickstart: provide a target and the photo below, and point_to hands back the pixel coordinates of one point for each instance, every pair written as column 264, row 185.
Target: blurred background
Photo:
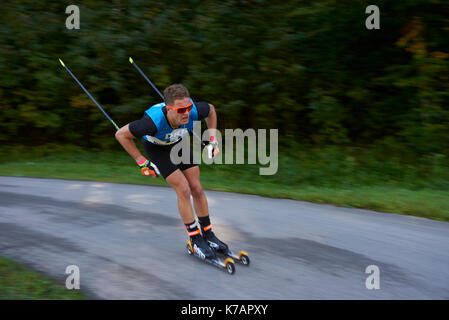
column 363, row 115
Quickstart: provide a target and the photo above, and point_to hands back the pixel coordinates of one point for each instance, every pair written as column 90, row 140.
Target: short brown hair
column 175, row 91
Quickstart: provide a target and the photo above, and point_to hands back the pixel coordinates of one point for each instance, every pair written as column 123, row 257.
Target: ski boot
column 199, row 248
column 222, row 248
column 214, row 242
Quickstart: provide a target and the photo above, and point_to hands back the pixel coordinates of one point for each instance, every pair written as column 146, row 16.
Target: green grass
column 350, row 177
column 19, row 283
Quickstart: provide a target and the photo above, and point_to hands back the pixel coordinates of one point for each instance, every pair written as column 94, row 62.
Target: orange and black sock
column 205, row 223
column 192, row 229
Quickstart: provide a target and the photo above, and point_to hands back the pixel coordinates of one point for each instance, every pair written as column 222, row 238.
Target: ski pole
column 62, row 63
column 154, row 87
column 146, row 78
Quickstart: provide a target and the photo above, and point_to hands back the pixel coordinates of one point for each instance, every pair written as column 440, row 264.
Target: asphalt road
column 129, row 243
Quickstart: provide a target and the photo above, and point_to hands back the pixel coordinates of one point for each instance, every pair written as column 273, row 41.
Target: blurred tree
column 309, row 68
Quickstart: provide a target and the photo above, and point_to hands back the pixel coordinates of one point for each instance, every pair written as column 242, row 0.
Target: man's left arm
column 211, row 121
column 207, row 112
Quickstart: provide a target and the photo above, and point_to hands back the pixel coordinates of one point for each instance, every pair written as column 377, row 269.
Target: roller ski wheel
column 189, row 248
column 227, row 265
column 242, row 257
column 230, row 267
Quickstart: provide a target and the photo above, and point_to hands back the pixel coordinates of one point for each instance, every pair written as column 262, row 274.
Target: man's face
column 180, row 118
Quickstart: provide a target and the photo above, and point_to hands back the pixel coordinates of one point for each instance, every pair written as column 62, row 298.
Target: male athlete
column 162, row 126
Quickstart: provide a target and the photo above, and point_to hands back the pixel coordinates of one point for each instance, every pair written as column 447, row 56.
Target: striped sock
column 205, row 223
column 192, row 229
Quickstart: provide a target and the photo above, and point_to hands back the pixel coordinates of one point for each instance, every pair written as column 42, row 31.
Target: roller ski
column 222, row 248
column 198, row 247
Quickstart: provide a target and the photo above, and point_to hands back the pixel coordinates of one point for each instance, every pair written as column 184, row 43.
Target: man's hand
column 148, row 168
column 212, row 148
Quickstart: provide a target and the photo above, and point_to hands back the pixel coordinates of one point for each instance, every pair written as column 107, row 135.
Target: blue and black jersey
column 155, row 128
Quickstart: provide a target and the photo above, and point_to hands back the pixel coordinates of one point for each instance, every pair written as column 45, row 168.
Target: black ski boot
column 214, row 242
column 200, row 248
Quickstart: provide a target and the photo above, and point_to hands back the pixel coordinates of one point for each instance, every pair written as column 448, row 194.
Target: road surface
column 129, row 243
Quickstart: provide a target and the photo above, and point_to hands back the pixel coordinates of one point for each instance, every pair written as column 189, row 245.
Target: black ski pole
column 146, row 78
column 98, row 105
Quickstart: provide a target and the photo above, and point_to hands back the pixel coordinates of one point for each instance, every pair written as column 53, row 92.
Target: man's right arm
column 126, row 139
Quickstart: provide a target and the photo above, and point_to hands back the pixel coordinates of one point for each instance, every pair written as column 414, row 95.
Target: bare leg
column 181, row 186
column 199, row 197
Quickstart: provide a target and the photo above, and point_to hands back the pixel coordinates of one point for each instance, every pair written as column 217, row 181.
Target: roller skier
column 161, row 128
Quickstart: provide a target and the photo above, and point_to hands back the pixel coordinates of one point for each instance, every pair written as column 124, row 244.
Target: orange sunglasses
column 182, row 109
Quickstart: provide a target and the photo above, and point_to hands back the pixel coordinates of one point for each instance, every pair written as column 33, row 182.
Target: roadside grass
column 349, row 177
column 17, row 282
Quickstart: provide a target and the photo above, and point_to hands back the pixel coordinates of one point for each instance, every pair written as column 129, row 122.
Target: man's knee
column 184, row 191
column 196, row 190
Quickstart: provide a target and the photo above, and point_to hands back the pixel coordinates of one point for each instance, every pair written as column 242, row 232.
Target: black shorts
column 160, row 156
